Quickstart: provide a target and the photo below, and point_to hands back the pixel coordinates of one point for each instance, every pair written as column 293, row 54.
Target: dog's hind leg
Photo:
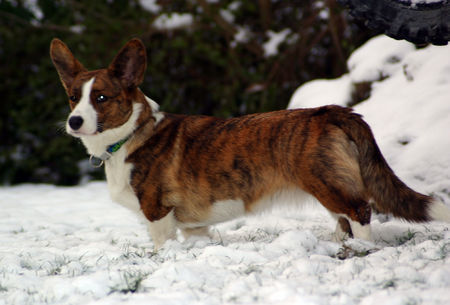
column 343, row 228
column 361, row 231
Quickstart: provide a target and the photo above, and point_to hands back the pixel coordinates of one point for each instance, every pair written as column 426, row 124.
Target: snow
column 227, row 15
column 173, row 21
column 415, row 2
column 378, row 58
column 323, row 92
column 73, row 245
column 33, row 6
column 150, row 5
column 242, row 35
column 77, row 29
column 270, row 47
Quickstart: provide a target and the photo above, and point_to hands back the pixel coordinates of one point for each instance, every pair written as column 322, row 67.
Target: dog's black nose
column 75, row 122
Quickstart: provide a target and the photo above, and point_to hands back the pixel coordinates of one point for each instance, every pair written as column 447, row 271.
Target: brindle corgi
column 190, row 172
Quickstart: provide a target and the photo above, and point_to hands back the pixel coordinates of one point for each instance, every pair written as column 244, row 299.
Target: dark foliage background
column 195, row 69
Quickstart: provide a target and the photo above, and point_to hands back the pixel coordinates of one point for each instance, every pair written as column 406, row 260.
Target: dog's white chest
column 118, row 177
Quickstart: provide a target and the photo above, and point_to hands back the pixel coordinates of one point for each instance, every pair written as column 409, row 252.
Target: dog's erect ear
column 66, row 64
column 130, row 64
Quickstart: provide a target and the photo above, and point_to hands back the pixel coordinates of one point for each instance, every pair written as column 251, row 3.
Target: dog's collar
column 99, row 161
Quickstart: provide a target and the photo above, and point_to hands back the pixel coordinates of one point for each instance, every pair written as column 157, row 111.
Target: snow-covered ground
column 72, row 245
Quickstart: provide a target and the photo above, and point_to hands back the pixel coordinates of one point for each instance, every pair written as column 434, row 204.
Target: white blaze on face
column 85, row 111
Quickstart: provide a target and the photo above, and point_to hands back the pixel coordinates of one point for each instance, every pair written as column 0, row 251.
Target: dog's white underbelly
column 225, row 210
column 118, row 177
column 221, row 211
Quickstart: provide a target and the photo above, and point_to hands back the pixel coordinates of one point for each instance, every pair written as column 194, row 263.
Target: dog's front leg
column 162, row 230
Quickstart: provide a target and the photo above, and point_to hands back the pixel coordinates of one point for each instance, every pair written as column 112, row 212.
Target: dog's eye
column 73, row 98
column 101, row 98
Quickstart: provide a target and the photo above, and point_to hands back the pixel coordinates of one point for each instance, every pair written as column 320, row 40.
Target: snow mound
column 378, row 58
column 323, row 92
column 408, row 108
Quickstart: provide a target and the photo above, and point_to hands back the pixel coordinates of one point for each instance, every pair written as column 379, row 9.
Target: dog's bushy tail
column 390, row 194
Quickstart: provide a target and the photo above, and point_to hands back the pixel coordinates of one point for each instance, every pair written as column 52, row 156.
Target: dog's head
column 103, row 102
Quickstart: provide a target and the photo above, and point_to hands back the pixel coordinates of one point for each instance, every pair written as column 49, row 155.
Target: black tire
column 420, row 23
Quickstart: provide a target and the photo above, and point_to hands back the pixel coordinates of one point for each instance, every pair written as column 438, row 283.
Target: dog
column 190, row 172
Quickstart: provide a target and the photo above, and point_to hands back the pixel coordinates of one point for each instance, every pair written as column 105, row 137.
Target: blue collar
column 99, row 161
